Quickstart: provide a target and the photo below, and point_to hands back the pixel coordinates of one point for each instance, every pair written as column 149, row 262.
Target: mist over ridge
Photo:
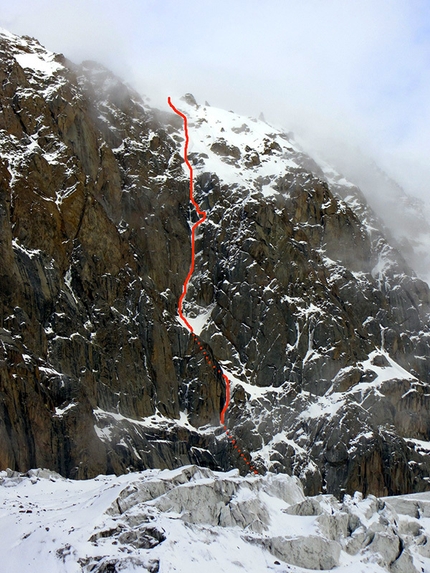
column 329, row 71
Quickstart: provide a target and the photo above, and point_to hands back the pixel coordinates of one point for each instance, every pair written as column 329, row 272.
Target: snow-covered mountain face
column 193, row 519
column 297, row 293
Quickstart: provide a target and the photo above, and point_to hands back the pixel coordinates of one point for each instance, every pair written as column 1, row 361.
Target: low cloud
column 332, row 71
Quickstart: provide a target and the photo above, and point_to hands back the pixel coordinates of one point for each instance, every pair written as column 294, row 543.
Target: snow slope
column 217, row 136
column 192, row 519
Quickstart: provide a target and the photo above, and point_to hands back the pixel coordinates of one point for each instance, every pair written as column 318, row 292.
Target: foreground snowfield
column 195, row 520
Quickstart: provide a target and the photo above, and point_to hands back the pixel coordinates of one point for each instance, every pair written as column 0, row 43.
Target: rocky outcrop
column 297, row 293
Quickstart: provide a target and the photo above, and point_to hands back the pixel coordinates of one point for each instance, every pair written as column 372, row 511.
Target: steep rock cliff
column 94, row 238
column 318, row 321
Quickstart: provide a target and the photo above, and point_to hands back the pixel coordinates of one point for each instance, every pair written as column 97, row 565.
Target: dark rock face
column 91, row 272
column 295, row 299
column 221, row 147
column 320, row 321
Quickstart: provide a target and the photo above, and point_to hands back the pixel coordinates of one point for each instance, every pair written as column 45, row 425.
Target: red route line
column 203, row 216
column 194, row 227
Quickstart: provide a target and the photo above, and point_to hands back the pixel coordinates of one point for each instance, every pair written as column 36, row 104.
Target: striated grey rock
column 335, row 526
column 309, row 506
column 404, row 564
column 309, row 552
column 386, row 546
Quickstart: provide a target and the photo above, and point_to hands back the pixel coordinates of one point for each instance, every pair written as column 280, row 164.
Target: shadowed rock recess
column 318, row 321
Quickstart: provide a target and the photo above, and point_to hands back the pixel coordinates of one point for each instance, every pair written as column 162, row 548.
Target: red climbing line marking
column 227, row 400
column 194, row 227
column 202, row 215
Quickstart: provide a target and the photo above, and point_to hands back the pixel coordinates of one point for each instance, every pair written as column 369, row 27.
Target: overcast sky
column 357, row 71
